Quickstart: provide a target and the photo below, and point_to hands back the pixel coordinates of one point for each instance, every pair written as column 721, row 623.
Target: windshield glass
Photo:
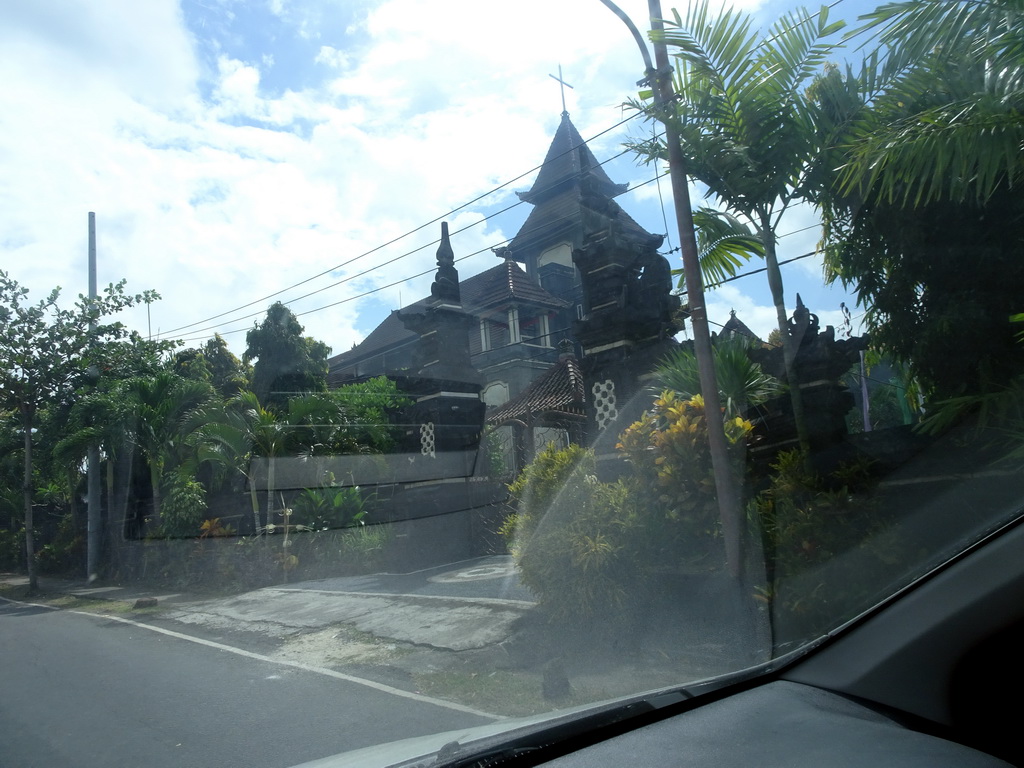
column 428, row 371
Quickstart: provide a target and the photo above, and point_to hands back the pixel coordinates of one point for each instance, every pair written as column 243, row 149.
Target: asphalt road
column 81, row 690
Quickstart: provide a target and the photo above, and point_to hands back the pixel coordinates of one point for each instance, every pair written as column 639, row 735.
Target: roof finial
column 446, row 282
column 563, row 86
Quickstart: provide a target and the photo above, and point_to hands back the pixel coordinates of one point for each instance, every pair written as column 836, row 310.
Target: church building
column 524, row 308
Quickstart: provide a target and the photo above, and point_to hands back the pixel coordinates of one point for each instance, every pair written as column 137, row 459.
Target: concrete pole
column 94, row 520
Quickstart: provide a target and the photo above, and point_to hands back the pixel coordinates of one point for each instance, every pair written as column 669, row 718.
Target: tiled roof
column 505, row 283
column 567, row 158
column 560, row 389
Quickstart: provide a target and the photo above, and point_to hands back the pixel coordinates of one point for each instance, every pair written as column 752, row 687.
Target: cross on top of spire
column 562, row 86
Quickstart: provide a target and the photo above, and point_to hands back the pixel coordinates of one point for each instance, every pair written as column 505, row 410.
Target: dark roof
column 736, row 326
column 505, row 283
column 559, row 389
column 555, row 195
column 561, row 213
column 567, row 159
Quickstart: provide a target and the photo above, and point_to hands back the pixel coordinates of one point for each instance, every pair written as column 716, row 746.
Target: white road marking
column 293, row 664
column 299, row 665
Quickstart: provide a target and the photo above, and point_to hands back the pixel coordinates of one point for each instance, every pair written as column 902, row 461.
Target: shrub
column 183, row 507
column 673, row 476
column 808, row 524
column 330, row 507
column 584, row 547
column 551, row 474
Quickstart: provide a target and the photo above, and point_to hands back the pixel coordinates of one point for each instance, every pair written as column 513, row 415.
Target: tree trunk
column 255, row 503
column 154, row 479
column 789, row 345
column 30, row 539
column 270, row 489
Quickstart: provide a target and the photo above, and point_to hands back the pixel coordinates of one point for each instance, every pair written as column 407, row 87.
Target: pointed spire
column 568, row 160
column 445, row 288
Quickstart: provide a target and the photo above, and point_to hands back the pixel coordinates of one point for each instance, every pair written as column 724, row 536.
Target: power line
column 411, row 231
column 343, row 264
column 547, row 226
column 551, row 224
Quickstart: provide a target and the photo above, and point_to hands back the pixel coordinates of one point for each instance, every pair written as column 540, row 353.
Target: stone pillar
column 628, row 324
column 821, row 361
column 448, row 409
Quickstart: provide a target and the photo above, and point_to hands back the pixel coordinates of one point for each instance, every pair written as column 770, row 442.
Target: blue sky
column 232, row 150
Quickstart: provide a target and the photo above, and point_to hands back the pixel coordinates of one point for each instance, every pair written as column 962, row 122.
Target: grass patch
column 20, row 592
column 501, row 692
column 14, row 591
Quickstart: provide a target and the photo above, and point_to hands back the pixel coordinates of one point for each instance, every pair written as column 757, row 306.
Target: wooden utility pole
column 659, row 77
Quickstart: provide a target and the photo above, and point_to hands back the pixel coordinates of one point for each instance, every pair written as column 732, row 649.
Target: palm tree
column 98, row 418
column 746, row 126
column 926, row 134
column 224, row 439
column 741, row 382
column 724, row 243
column 158, row 408
column 945, row 103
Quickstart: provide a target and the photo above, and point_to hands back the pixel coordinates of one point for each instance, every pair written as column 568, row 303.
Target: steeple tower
column 570, row 176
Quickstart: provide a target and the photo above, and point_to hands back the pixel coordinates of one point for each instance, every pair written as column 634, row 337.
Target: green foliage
column 287, row 363
column 159, row 413
column 808, row 522
column 368, row 407
column 724, row 243
column 672, row 471
column 938, row 297
column 551, row 474
column 183, row 506
column 926, row 135
column 745, row 122
column 945, row 103
column 213, row 363
column 741, row 382
column 495, row 464
column 44, row 355
column 330, row 507
column 589, row 549
column 12, row 550
column 65, row 554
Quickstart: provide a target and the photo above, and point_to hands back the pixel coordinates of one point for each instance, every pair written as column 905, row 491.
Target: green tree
column 746, row 126
column 213, row 363
column 923, row 218
column 44, row 354
column 226, row 439
column 945, row 105
column 158, row 410
column 287, row 363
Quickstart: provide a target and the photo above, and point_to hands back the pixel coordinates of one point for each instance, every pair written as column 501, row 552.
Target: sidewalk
column 51, row 585
column 441, row 622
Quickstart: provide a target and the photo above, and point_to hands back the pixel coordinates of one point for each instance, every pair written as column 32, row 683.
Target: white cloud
column 218, row 189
